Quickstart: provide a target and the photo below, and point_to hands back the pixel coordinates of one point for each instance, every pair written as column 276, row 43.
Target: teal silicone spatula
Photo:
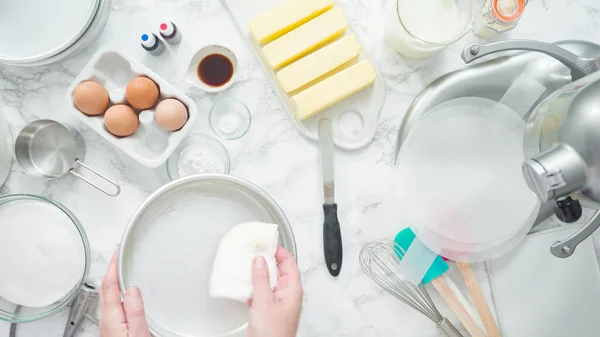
column 405, row 239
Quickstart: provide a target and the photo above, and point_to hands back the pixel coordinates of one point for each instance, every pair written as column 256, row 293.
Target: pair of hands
column 271, row 313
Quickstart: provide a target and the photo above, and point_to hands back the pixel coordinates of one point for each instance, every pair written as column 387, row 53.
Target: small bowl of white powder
column 44, row 257
column 198, row 154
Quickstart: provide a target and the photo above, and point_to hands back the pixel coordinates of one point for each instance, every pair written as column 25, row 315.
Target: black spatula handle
column 332, row 240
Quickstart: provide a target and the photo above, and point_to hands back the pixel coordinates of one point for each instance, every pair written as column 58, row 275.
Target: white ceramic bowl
column 191, row 74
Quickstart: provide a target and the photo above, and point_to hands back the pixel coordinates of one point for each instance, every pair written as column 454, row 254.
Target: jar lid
column 38, row 29
column 508, row 10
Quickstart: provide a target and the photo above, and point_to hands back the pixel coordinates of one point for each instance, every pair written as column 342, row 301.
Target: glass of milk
column 419, row 28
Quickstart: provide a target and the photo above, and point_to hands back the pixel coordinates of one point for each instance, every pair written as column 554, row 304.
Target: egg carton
column 150, row 145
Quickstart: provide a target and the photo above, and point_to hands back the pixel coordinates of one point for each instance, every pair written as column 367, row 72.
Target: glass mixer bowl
column 459, row 183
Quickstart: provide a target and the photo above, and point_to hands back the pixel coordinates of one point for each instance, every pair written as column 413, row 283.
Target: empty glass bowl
column 229, row 119
column 198, row 154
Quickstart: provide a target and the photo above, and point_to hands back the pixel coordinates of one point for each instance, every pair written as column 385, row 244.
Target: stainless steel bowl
column 169, row 245
column 74, row 41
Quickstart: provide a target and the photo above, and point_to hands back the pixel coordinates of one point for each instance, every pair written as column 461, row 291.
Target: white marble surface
column 272, row 155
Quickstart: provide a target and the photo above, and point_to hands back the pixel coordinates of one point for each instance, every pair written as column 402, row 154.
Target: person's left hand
column 117, row 319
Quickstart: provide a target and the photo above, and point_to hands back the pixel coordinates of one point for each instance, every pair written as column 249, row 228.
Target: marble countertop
column 350, row 305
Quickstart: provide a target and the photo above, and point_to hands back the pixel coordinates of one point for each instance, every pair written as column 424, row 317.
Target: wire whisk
column 380, row 261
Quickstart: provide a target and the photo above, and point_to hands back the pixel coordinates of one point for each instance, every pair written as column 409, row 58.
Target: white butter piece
column 334, row 89
column 318, row 65
column 231, row 275
column 306, row 38
column 288, row 16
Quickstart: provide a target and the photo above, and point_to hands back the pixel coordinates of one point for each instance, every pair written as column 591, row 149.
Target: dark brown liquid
column 215, row 70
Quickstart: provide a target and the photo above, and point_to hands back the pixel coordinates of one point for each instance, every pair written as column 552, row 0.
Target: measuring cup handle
column 117, row 187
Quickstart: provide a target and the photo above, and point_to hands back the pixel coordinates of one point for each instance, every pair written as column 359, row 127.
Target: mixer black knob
column 568, row 210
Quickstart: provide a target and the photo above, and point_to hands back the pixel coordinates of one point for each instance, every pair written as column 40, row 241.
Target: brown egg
column 142, row 93
column 91, row 98
column 121, row 120
column 171, row 114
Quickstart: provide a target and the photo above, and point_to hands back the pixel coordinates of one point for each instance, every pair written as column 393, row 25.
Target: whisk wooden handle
column 463, row 316
column 480, row 302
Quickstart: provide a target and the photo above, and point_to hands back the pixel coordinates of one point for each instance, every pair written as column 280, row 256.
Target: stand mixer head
column 562, row 140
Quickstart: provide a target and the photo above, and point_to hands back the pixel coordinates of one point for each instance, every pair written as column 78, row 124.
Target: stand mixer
column 562, row 139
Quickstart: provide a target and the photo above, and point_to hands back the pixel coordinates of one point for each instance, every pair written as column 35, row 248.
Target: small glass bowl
column 13, row 313
column 216, row 157
column 229, row 119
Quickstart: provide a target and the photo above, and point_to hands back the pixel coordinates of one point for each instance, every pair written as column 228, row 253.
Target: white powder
column 41, row 253
column 197, row 160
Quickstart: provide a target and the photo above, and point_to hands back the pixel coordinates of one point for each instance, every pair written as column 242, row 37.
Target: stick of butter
column 306, row 38
column 320, row 64
column 334, row 89
column 286, row 17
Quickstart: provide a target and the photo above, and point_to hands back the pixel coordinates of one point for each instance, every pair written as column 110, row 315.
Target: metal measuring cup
column 47, row 149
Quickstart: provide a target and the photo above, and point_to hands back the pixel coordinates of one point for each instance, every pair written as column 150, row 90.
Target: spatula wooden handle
column 463, row 316
column 480, row 302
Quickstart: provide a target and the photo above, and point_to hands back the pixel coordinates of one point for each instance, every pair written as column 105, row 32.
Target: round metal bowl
column 14, row 313
column 85, row 28
column 170, row 244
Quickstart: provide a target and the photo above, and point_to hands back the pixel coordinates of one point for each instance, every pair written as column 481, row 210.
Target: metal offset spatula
column 332, row 236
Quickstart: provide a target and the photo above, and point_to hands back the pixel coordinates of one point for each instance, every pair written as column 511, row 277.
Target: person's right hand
column 275, row 313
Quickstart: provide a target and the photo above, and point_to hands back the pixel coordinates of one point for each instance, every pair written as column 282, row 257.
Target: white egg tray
column 149, row 145
column 355, row 119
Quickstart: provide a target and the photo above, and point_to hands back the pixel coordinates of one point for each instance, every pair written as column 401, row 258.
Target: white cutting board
column 355, row 119
column 540, row 295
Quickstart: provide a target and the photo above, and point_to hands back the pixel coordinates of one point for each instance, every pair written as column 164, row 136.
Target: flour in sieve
column 41, row 253
column 196, row 160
